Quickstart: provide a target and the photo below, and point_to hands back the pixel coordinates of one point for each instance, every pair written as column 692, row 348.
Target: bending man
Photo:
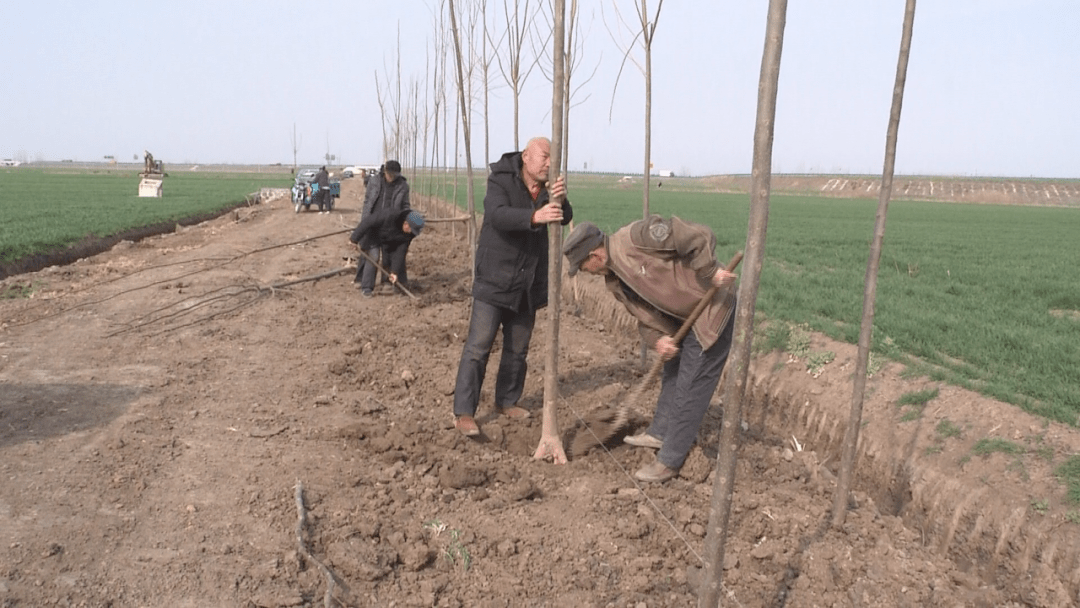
column 660, row 269
column 390, row 193
column 391, row 231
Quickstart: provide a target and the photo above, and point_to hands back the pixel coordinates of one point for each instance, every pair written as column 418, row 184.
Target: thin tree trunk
column 398, row 128
column 413, row 153
column 648, row 122
column 465, row 132
column 425, row 182
column 734, row 388
column 446, row 152
column 568, row 75
column 486, row 60
column 550, row 443
column 851, row 436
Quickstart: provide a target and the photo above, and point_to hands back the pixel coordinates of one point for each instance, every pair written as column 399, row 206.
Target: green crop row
column 981, row 296
column 44, row 210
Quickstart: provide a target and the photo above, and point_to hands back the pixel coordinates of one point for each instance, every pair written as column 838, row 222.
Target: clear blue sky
column 992, row 86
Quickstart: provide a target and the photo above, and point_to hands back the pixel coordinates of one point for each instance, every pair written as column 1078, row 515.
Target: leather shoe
column 466, row 426
column 655, row 472
column 515, row 412
column 643, row 440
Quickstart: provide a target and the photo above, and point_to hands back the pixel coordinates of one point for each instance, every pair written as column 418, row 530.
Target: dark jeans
column 689, row 381
column 393, row 259
column 517, row 330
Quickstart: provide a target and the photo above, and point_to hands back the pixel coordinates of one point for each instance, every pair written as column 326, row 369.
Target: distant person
column 372, row 188
column 390, row 231
column 322, row 193
column 659, row 269
column 511, row 278
column 389, row 194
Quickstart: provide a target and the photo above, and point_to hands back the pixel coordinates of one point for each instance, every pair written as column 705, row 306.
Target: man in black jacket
column 392, row 231
column 511, row 278
column 386, row 192
column 322, row 180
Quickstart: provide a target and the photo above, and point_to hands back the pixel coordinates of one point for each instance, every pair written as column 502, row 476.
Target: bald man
column 511, row 278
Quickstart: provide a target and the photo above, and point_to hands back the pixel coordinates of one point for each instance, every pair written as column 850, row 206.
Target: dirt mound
column 174, row 432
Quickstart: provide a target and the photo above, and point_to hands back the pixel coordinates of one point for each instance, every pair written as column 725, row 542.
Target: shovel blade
column 599, row 428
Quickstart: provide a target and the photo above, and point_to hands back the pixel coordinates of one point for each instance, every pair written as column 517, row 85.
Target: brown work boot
column 514, row 412
column 466, row 426
column 655, row 472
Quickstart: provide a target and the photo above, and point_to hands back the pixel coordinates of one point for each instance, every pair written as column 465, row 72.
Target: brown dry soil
column 178, row 429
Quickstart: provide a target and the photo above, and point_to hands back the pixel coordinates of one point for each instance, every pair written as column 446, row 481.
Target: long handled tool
column 386, row 272
column 601, row 427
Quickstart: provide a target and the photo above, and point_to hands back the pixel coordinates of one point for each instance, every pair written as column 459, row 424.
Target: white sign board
column 150, row 188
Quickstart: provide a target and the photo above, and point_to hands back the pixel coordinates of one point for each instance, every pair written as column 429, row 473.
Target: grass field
column 42, row 210
column 982, row 296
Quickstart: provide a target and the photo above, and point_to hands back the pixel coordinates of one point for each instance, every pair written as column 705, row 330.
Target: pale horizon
column 988, row 93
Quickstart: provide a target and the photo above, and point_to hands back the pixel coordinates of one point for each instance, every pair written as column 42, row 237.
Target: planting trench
column 1000, row 516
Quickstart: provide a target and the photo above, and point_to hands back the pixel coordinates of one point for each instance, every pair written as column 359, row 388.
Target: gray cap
column 416, row 222
column 583, row 240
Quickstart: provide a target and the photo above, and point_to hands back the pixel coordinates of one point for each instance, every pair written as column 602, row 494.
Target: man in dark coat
column 389, row 192
column 322, row 194
column 511, row 278
column 390, row 231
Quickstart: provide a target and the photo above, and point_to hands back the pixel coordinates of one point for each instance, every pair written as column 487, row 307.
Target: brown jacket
column 666, row 267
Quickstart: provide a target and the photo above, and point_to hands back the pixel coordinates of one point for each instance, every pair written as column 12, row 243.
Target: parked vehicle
column 306, row 175
column 304, row 192
column 359, row 171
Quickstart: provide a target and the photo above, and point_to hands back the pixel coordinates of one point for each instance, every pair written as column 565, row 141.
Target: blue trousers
column 687, row 386
column 517, row 330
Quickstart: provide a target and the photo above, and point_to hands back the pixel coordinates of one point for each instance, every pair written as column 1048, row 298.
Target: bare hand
column 549, row 213
column 666, row 348
column 393, row 278
column 558, row 189
column 723, row 278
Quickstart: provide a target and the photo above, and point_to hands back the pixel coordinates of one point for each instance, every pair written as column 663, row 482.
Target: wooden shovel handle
column 379, row 267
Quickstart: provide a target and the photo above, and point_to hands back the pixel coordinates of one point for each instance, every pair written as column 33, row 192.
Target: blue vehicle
column 305, row 193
